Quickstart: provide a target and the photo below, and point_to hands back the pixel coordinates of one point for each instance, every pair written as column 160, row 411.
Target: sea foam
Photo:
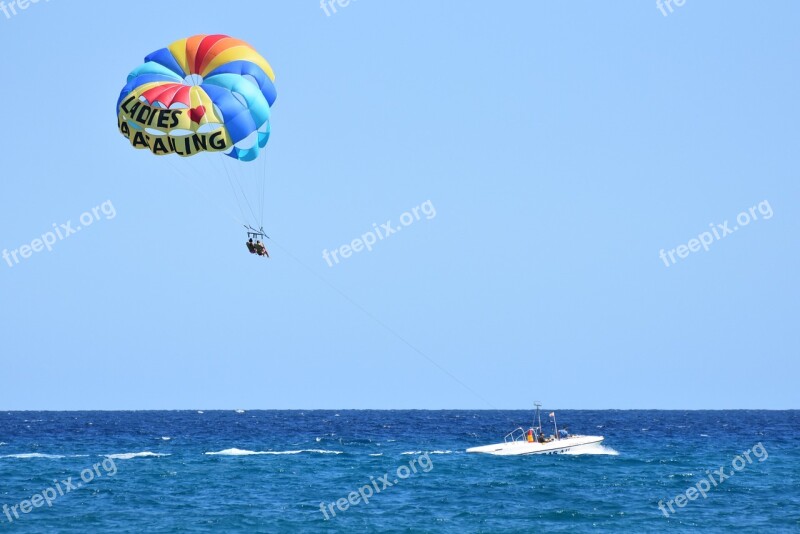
column 240, row 452
column 33, row 455
column 593, row 448
column 132, row 455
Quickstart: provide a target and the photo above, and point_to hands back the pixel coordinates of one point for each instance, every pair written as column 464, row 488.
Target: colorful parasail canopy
column 206, row 93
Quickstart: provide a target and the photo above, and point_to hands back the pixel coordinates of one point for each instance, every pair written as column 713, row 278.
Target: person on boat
column 251, row 247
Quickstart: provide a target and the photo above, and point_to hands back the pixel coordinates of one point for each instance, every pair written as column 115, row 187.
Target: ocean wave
column 28, row 455
column 233, row 452
column 240, row 452
column 33, row 455
column 377, row 454
column 426, row 452
column 165, row 438
column 132, row 455
column 593, row 448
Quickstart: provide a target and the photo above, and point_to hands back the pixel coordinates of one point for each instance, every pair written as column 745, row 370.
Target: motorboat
column 533, row 441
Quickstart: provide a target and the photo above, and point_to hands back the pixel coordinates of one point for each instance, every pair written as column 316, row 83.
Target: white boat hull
column 560, row 446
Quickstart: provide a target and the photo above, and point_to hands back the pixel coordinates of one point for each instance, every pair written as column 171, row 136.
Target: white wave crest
column 240, row 452
column 233, row 452
column 132, row 455
column 33, row 455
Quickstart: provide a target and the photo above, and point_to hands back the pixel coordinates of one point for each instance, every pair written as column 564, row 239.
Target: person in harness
column 261, row 250
column 256, row 247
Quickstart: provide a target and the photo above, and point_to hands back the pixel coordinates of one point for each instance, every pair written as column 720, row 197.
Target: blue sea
column 395, row 471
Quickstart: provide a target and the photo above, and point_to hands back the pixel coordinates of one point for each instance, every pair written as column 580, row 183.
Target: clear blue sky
column 563, row 145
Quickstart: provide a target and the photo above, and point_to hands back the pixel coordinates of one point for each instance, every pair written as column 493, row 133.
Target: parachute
column 202, row 94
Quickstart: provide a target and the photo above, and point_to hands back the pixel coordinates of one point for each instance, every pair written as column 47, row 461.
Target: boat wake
column 594, row 449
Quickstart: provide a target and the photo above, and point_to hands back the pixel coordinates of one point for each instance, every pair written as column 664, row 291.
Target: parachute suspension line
column 253, row 179
column 236, row 196
column 249, row 178
column 190, row 175
column 233, row 189
column 234, row 181
column 214, row 173
column 180, row 173
column 244, row 195
column 249, row 206
column 260, row 188
column 263, row 190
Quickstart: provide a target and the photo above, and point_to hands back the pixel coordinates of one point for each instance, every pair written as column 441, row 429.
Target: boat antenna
column 555, row 426
column 538, row 415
